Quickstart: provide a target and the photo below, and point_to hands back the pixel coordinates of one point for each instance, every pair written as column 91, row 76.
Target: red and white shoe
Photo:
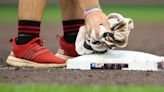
column 33, row 54
column 66, row 50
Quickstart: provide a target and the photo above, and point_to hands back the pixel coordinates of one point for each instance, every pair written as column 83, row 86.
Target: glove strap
column 87, row 46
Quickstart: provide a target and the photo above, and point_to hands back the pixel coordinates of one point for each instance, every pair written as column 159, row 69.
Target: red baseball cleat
column 33, row 54
column 66, row 50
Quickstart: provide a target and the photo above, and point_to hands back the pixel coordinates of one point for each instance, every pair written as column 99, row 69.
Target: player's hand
column 94, row 20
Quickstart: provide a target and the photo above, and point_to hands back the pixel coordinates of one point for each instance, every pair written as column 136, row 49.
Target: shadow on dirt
column 2, row 62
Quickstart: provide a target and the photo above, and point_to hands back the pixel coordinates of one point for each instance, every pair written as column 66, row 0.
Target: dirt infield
column 145, row 37
column 95, row 77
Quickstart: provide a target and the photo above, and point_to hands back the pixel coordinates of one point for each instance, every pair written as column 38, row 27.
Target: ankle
column 71, row 28
column 27, row 30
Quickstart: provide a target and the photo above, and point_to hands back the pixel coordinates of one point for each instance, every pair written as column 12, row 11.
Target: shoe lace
column 58, row 37
column 40, row 42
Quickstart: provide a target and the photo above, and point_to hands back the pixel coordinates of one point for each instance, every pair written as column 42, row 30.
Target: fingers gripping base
column 92, row 48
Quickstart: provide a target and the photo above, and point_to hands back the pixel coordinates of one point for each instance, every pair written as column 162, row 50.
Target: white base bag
column 117, row 60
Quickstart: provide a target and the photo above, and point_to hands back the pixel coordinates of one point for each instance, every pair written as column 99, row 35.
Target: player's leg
column 70, row 10
column 30, row 16
column 72, row 19
column 27, row 48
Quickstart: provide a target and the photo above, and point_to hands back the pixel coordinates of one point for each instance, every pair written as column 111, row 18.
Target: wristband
column 91, row 9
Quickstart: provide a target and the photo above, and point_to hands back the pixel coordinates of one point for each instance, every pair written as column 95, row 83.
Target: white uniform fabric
column 88, row 43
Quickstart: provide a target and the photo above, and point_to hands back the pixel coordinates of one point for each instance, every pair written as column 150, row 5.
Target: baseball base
column 118, row 60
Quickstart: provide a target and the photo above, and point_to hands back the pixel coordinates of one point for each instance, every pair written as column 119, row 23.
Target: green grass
column 143, row 13
column 76, row 88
